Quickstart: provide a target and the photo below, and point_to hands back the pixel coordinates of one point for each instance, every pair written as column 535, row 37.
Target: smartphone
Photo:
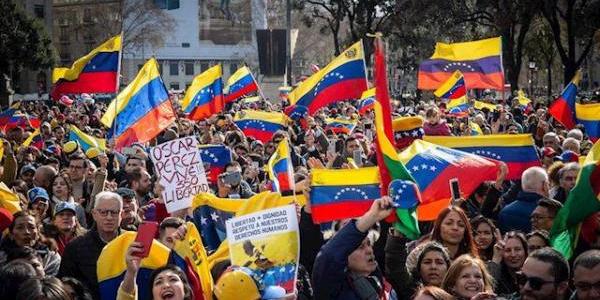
column 331, row 147
column 454, row 189
column 129, row 151
column 255, row 164
column 232, row 178
column 357, row 157
column 146, row 233
column 150, row 213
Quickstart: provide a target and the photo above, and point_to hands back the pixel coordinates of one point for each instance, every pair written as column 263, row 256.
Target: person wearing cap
column 548, row 154
column 129, row 217
column 39, row 201
column 26, row 174
column 64, row 227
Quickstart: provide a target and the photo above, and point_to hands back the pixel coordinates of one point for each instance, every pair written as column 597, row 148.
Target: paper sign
column 267, row 242
column 179, row 165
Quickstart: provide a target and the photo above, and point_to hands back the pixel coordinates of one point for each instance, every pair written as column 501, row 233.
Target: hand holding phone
column 454, row 189
column 146, row 233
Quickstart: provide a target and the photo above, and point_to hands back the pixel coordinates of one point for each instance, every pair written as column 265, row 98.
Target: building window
column 174, row 68
column 38, row 11
column 187, row 85
column 203, row 67
column 174, row 85
column 232, row 68
column 189, row 68
column 185, row 45
column 167, row 4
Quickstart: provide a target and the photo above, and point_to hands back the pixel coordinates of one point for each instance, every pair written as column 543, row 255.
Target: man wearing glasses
column 544, row 275
column 80, row 256
column 78, row 166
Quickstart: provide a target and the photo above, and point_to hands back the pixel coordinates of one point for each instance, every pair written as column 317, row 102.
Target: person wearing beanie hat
column 547, row 154
column 406, row 130
column 38, row 202
column 26, row 174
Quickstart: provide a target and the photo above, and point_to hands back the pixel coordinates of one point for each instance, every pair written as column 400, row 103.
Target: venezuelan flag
column 8, row 113
column 344, row 78
column 190, row 255
column 18, row 119
column 35, row 140
column 524, row 102
column 589, row 116
column 339, row 125
column 366, row 101
column 204, row 97
column 516, row 150
column 142, row 110
column 339, row 194
column 260, row 125
column 210, row 214
column 280, row 168
column 111, row 266
column 563, row 108
column 458, row 107
column 97, row 72
column 8, row 199
column 453, row 88
column 85, row 140
column 239, row 84
column 479, row 105
column 480, row 62
column 432, row 166
column 216, row 157
column 475, row 129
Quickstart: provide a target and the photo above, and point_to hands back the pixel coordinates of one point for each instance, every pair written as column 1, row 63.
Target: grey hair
column 576, row 134
column 572, row 166
column 571, row 140
column 551, row 135
column 533, row 179
column 106, row 195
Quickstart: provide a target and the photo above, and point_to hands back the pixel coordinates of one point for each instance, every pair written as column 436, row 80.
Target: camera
column 231, row 178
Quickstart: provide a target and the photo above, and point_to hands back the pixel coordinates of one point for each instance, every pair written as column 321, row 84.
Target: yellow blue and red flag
column 85, row 140
column 34, row 140
column 589, row 116
column 344, row 78
column 524, row 102
column 280, row 169
column 9, row 200
column 479, row 105
column 518, row 151
column 239, row 84
column 210, row 214
column 96, row 72
column 432, row 166
column 366, row 101
column 214, row 158
column 204, row 97
column 260, row 125
column 142, row 110
column 563, row 108
column 479, row 61
column 12, row 118
column 190, row 255
column 340, row 125
column 453, row 88
column 458, row 107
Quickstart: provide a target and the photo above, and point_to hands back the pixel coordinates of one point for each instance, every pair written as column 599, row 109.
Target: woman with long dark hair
column 453, row 230
column 484, row 232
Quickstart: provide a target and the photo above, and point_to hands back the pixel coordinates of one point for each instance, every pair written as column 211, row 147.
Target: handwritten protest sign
column 179, row 165
column 267, row 242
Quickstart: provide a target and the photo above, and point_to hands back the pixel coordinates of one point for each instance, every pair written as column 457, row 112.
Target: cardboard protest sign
column 179, row 165
column 267, row 242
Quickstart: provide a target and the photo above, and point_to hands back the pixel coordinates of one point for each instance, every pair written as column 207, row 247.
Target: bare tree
column 144, row 24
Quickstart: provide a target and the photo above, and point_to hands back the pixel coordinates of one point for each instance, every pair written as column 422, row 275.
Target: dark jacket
column 50, row 259
column 311, row 240
column 395, row 267
column 505, row 284
column 79, row 260
column 515, row 216
column 330, row 277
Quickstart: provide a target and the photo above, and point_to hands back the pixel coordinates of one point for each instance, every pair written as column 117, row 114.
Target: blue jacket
column 329, row 274
column 515, row 216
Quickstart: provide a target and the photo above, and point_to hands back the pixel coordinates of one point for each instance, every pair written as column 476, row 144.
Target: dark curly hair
column 187, row 290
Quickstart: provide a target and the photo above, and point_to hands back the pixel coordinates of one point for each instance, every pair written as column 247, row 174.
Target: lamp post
column 529, row 80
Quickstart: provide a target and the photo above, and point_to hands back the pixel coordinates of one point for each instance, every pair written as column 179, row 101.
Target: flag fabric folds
column 142, row 110
column 214, row 158
column 85, row 140
column 111, row 266
column 432, row 166
column 260, row 125
column 366, row 101
column 583, row 201
column 563, row 108
column 210, row 214
column 12, row 119
column 338, row 194
column 480, row 105
column 518, row 151
column 239, row 84
column 190, row 255
column 96, row 72
column 344, row 78
column 479, row 61
column 280, row 169
column 523, row 101
column 204, row 97
column 340, row 125
column 589, row 116
column 458, row 107
column 9, row 199
column 34, row 140
column 453, row 88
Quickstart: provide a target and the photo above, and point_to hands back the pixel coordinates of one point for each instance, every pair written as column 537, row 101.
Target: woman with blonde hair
column 468, row 278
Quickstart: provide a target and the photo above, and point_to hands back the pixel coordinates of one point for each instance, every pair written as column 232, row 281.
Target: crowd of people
column 491, row 245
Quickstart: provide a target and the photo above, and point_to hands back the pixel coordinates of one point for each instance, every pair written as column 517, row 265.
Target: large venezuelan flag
column 215, row 157
column 563, row 108
column 111, row 266
column 453, row 88
column 85, row 140
column 280, row 168
column 344, row 78
column 239, row 84
column 97, row 72
column 204, row 97
column 210, row 214
column 142, row 110
column 589, row 116
column 260, row 125
column 340, row 125
column 516, row 150
column 340, row 194
column 432, row 166
column 479, row 61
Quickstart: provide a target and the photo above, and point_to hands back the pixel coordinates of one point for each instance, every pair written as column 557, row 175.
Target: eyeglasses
column 105, row 212
column 535, row 283
column 586, row 286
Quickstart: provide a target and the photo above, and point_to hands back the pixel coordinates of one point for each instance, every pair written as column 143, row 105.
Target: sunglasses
column 535, row 283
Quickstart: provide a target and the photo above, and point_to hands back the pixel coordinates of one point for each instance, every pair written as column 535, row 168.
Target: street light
column 531, row 68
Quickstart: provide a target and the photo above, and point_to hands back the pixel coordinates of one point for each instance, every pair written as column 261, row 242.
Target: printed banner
column 179, row 165
column 267, row 242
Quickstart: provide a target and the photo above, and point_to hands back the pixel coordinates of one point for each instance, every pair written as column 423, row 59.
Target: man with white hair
column 551, row 140
column 576, row 134
column 516, row 215
column 571, row 144
column 80, row 255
